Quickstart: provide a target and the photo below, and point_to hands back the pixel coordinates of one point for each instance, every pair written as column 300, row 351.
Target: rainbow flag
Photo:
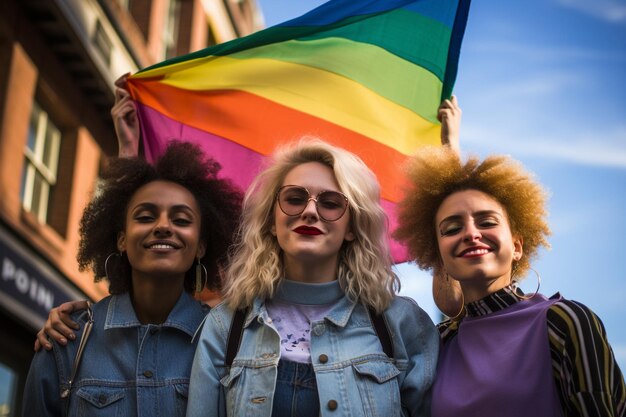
column 366, row 75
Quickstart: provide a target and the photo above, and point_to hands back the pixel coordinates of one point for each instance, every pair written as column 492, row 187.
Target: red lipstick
column 306, row 230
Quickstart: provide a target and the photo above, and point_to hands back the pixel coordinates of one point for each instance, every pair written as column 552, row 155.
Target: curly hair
column 255, row 263
column 182, row 163
column 435, row 173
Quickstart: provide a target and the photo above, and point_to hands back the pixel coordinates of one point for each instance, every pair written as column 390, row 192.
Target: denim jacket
column 127, row 368
column 354, row 376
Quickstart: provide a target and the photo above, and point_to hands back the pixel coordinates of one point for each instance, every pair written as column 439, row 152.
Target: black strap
column 234, row 335
column 382, row 331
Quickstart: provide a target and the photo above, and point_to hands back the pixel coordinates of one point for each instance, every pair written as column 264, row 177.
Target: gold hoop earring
column 518, row 291
column 201, row 279
column 446, row 296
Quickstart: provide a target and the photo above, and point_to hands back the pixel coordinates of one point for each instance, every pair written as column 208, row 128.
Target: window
column 211, row 39
column 170, row 32
column 102, row 43
column 41, row 162
column 8, row 385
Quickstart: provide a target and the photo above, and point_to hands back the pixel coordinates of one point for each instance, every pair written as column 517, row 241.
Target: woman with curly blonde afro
column 477, row 225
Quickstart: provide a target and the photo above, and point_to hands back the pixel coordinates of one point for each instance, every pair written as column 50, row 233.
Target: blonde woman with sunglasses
column 311, row 271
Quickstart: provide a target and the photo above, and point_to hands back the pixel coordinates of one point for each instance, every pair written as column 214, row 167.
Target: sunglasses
column 293, row 199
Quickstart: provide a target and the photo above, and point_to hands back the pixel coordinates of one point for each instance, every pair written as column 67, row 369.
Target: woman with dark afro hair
column 158, row 233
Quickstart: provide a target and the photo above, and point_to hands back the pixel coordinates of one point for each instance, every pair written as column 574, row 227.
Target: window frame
column 35, row 162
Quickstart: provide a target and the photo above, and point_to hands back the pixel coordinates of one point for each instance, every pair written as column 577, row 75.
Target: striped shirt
column 588, row 380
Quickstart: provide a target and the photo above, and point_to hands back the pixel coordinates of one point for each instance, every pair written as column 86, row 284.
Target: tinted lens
column 292, row 200
column 331, row 205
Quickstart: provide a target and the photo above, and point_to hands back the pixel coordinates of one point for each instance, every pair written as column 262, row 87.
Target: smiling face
column 162, row 232
column 308, row 241
column 475, row 242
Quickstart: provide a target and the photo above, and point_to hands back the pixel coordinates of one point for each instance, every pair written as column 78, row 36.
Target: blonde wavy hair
column 435, row 173
column 364, row 271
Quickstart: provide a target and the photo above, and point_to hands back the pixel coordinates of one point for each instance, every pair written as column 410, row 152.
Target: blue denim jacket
column 127, row 368
column 351, row 369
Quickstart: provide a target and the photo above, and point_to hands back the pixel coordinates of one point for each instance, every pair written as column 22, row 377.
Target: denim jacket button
column 102, row 399
column 323, row 358
column 147, row 374
column 332, row 405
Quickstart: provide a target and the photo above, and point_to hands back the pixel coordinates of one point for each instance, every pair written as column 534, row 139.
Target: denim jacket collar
column 186, row 315
column 295, row 292
column 339, row 315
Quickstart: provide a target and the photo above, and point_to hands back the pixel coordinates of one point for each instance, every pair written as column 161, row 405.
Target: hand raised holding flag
column 449, row 114
column 125, row 120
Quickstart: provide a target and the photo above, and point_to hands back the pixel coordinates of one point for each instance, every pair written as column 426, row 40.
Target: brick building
column 58, row 62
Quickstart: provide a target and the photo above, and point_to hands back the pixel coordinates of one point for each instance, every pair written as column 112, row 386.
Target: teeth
column 477, row 252
column 161, row 246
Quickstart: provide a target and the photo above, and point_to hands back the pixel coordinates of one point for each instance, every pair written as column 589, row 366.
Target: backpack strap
column 79, row 353
column 234, row 335
column 382, row 331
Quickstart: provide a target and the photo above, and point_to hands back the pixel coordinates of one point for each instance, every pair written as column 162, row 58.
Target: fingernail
column 63, row 341
column 71, row 336
column 48, row 346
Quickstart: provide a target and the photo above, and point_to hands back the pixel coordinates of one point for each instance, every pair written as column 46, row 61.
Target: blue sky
column 545, row 81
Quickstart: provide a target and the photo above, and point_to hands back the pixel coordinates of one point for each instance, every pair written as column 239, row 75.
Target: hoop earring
column 520, row 294
column 201, row 280
column 106, row 262
column 444, row 296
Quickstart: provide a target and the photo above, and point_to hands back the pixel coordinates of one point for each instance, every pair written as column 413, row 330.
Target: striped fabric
column 366, row 75
column 582, row 361
column 588, row 380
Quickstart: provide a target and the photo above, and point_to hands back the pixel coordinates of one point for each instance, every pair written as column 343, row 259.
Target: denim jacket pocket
column 182, row 394
column 228, row 388
column 182, row 390
column 100, row 401
column 231, row 376
column 378, row 388
column 380, row 371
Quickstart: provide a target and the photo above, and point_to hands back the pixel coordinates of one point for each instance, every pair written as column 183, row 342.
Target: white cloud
column 609, row 10
column 601, row 148
column 547, row 84
column 544, row 53
column 549, row 114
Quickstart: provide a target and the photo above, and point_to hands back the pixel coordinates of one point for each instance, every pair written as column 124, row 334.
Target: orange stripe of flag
column 259, row 124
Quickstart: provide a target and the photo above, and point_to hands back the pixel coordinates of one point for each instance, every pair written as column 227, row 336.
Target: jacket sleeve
column 42, row 393
column 589, row 380
column 206, row 395
column 417, row 340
